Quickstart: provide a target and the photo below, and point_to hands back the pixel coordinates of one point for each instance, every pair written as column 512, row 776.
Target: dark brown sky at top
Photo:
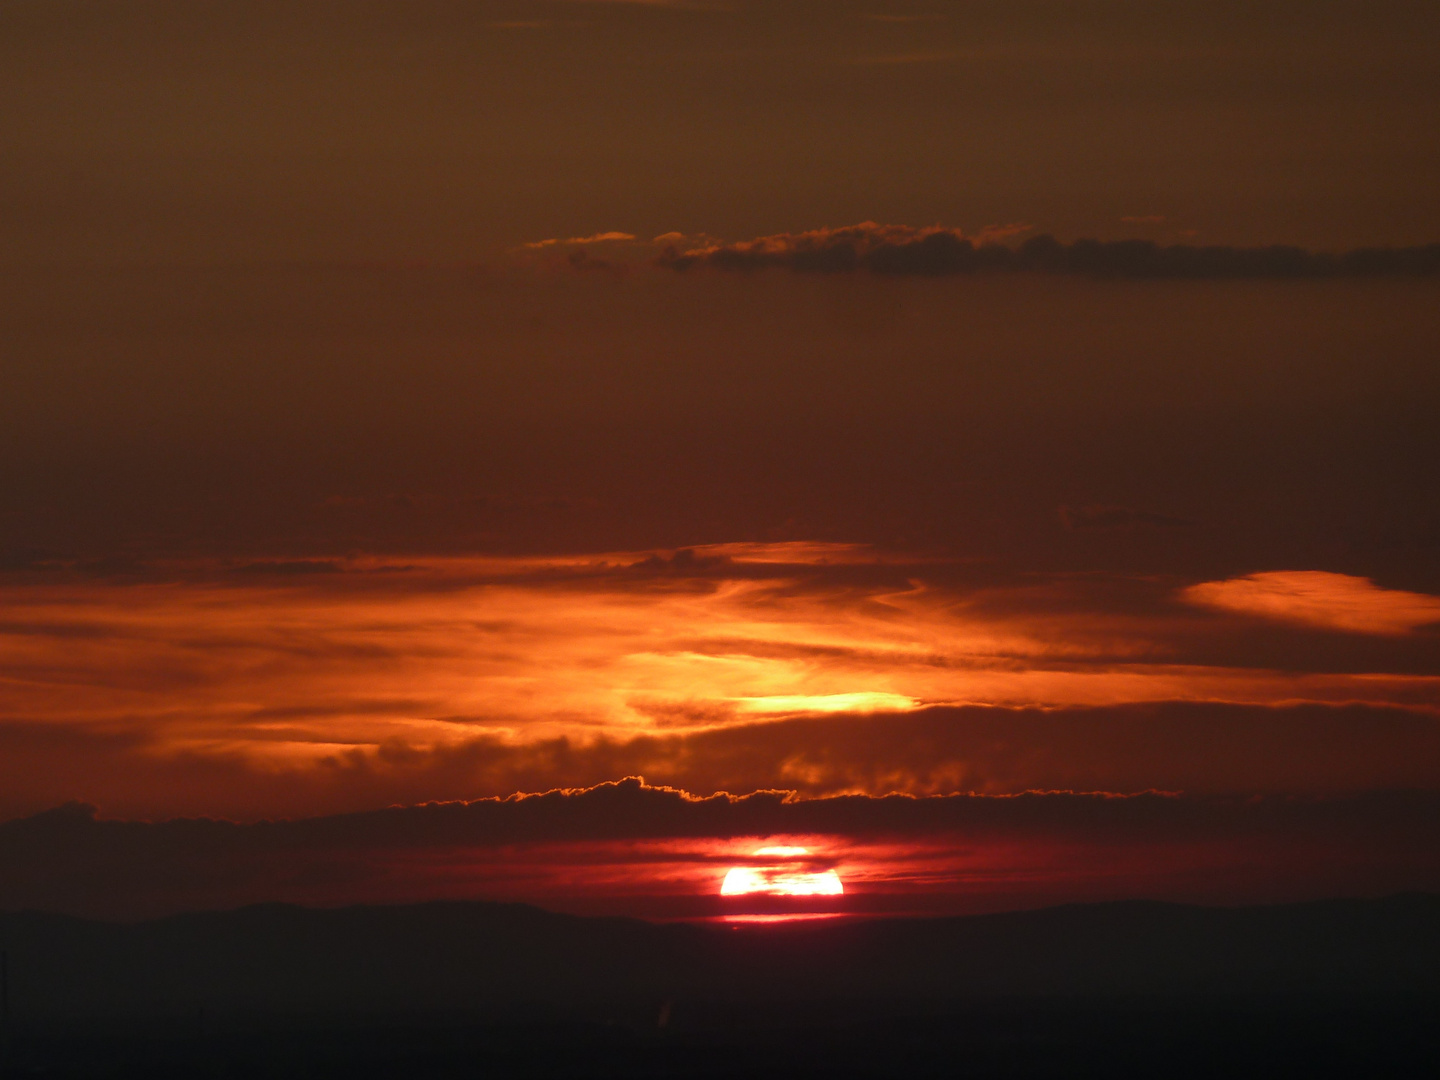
column 217, row 338
column 445, row 129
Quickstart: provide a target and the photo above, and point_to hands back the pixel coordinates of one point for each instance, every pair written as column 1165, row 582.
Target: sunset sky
column 990, row 446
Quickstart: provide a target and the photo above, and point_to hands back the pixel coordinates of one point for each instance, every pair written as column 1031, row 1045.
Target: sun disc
column 781, row 878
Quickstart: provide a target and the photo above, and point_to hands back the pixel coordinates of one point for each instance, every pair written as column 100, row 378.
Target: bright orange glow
column 388, row 671
column 1336, row 601
column 787, row 875
column 822, row 703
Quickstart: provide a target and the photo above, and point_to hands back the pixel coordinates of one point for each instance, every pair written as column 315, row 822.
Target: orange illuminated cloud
column 594, row 238
column 824, row 668
column 1320, row 598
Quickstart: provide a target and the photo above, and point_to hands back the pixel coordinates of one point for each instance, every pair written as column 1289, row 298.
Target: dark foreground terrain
column 1339, row 988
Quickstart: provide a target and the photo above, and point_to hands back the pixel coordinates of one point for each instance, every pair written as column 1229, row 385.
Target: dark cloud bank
column 936, row 252
column 1201, row 748
column 1275, row 847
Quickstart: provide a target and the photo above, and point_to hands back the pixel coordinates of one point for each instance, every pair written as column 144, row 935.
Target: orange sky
column 406, row 404
column 457, row 677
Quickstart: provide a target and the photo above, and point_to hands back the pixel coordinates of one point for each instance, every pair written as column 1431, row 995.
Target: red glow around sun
column 789, row 873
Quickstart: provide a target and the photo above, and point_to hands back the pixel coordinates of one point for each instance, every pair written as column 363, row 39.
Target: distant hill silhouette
column 458, row 956
column 1339, row 988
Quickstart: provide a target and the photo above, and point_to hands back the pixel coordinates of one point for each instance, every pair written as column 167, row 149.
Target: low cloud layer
column 635, row 848
column 936, row 251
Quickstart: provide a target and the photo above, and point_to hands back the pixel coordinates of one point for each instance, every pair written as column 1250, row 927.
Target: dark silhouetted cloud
column 580, row 848
column 937, row 251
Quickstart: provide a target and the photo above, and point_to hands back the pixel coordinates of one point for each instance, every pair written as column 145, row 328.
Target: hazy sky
column 173, row 130
column 440, row 400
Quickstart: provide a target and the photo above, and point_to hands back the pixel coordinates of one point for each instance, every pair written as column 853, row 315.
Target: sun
column 786, row 871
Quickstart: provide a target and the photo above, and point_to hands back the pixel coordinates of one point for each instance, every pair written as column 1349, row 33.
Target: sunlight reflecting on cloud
column 379, row 667
column 863, row 702
column 1336, row 601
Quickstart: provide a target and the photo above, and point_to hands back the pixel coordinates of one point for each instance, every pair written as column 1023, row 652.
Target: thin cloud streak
column 937, row 251
column 594, row 238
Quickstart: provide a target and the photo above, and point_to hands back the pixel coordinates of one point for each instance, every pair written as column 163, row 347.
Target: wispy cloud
column 594, row 238
column 1321, row 599
column 347, row 682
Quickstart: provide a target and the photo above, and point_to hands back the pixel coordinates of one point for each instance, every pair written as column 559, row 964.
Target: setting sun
column 777, row 537
column 790, row 874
